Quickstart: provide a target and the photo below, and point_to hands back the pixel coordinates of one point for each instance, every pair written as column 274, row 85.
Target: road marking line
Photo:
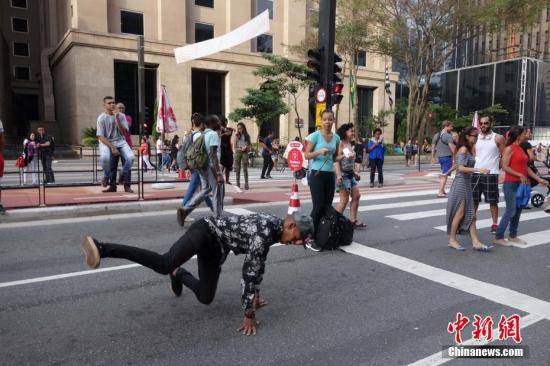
column 239, row 211
column 481, row 224
column 386, row 206
column 382, row 196
column 433, row 213
column 494, row 293
column 534, row 239
column 437, row 358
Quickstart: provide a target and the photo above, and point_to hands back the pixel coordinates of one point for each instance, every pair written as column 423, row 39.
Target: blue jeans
column 194, row 183
column 512, row 213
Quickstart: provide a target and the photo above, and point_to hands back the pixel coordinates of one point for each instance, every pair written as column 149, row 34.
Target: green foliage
column 89, row 136
column 400, row 119
column 154, row 132
column 262, row 104
column 373, row 122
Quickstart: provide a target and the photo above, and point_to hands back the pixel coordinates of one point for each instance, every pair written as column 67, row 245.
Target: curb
column 58, row 212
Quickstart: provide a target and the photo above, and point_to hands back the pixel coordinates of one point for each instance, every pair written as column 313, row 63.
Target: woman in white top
column 31, row 159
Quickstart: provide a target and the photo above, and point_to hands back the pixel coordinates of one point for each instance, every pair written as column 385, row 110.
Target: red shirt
column 518, row 162
column 144, row 149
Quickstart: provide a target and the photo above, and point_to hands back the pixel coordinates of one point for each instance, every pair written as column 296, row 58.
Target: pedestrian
column 174, row 146
column 408, row 152
column 159, row 148
column 324, row 169
column 144, row 150
column 461, row 216
column 226, row 159
column 376, row 149
column 111, row 126
column 211, row 177
column 415, row 150
column 241, row 146
column 211, row 240
column 275, row 154
column 166, row 157
column 489, row 148
column 359, row 149
column 198, row 123
column 267, row 151
column 515, row 163
column 426, row 148
column 443, row 148
column 31, row 159
column 349, row 187
column 2, row 144
column 45, row 145
column 120, row 109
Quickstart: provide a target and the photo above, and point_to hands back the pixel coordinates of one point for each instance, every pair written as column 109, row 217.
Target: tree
column 289, row 77
column 373, row 122
column 261, row 104
column 423, row 34
column 89, row 136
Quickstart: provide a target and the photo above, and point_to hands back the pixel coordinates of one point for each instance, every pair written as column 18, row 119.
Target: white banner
column 166, row 119
column 254, row 28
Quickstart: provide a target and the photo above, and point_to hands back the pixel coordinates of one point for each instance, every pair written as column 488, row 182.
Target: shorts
column 358, row 159
column 348, row 180
column 446, row 163
column 486, row 184
column 408, row 157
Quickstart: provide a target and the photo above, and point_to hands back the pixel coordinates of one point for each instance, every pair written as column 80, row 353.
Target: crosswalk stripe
column 534, row 239
column 481, row 224
column 433, row 213
column 383, row 196
column 386, row 206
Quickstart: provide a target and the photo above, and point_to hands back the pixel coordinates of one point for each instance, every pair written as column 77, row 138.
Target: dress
column 461, row 191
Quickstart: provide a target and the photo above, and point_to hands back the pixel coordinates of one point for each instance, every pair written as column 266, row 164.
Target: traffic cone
column 294, row 203
column 181, row 174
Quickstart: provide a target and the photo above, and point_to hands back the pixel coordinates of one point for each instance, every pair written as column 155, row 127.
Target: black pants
column 198, row 240
column 322, row 186
column 376, row 165
column 47, row 168
column 268, row 165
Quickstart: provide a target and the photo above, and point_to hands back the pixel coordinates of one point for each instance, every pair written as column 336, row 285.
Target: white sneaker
column 517, row 240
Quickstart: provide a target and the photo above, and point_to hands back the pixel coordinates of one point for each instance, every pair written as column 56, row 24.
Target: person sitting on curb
column 211, row 239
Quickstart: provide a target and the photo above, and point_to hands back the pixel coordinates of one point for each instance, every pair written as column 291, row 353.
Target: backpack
column 181, row 158
column 334, row 230
column 196, row 155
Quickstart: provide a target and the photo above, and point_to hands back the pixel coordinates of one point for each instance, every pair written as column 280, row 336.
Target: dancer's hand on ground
column 249, row 326
column 258, row 302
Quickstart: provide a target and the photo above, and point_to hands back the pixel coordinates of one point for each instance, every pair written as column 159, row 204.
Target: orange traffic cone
column 294, row 203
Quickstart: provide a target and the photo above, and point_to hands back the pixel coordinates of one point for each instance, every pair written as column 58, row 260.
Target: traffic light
column 337, row 86
column 314, row 63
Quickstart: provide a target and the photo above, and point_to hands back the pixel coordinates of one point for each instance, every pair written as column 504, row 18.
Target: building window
column 361, row 58
column 19, row 25
column 203, row 32
column 205, row 3
column 263, row 5
column 19, row 4
column 131, row 22
column 22, row 72
column 21, row 49
column 264, row 43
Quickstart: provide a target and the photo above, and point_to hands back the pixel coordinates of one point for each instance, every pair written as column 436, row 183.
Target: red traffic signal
column 337, row 89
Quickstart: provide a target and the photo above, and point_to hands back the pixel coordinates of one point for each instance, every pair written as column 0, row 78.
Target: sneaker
column 268, row 177
column 517, row 240
column 110, row 189
column 175, row 285
column 311, row 245
column 246, row 188
column 91, row 252
column 501, row 242
column 128, row 189
column 182, row 215
column 380, row 185
column 372, row 185
column 494, row 228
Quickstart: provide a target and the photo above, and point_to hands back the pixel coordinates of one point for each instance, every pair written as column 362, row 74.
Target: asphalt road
column 387, row 304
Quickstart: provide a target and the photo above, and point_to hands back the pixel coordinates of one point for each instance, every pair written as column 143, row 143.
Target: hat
column 304, row 224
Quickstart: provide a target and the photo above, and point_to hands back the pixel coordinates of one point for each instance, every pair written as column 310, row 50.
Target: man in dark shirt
column 211, row 239
column 45, row 145
column 267, row 151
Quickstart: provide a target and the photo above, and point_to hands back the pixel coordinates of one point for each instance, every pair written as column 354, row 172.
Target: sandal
column 359, row 225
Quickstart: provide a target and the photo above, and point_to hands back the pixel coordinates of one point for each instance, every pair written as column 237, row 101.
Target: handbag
column 523, row 195
column 20, row 162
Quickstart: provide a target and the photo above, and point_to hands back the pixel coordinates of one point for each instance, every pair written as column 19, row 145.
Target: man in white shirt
column 489, row 148
column 160, row 148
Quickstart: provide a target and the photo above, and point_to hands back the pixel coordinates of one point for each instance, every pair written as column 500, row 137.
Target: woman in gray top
column 460, row 205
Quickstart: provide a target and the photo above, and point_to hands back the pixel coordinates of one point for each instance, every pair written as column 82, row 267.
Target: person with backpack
column 197, row 120
column 204, row 155
column 212, row 239
column 46, row 147
column 515, row 163
column 443, row 148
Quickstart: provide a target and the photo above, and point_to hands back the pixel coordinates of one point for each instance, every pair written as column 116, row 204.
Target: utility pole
column 327, row 19
column 141, row 84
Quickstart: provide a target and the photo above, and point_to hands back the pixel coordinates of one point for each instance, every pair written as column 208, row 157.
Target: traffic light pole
column 327, row 18
column 141, row 106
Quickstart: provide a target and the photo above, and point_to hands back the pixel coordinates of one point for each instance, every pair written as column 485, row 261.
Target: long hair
column 463, row 139
column 513, row 134
column 245, row 132
column 342, row 130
